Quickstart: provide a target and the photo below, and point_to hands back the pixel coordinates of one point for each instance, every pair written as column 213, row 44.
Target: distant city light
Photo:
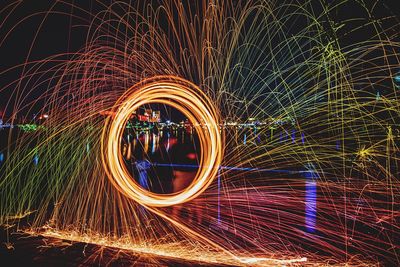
column 397, row 80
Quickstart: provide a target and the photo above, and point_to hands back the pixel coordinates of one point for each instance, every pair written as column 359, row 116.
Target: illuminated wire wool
column 195, row 105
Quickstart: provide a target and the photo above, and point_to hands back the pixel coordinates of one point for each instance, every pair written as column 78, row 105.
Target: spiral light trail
column 197, row 107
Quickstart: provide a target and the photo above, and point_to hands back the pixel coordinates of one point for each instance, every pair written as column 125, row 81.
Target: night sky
column 64, row 31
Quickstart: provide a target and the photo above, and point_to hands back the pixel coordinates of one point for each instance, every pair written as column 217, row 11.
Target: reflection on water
column 166, row 161
column 163, row 162
column 293, row 136
column 311, row 176
column 36, row 159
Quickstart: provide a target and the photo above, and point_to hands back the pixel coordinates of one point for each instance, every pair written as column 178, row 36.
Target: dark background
column 28, row 32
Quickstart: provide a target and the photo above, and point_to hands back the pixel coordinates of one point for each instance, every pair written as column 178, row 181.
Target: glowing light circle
column 195, row 105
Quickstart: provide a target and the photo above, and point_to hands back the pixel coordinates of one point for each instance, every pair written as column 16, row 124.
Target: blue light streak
column 311, row 198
